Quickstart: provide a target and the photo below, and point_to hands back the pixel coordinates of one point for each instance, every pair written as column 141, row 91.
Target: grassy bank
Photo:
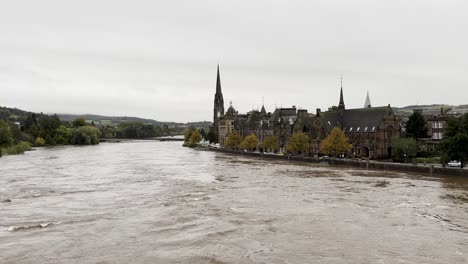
column 19, row 148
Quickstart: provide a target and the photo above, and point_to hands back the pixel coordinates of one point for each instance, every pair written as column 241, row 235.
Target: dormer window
column 365, row 129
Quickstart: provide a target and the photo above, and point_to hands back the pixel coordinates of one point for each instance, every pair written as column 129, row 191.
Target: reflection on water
column 156, row 202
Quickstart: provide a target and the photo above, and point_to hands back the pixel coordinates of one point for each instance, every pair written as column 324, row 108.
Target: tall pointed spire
column 341, row 105
column 218, row 83
column 263, row 111
column 218, row 109
column 367, row 104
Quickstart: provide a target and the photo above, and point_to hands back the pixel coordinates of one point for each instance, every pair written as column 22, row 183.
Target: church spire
column 367, row 104
column 218, row 83
column 218, row 109
column 341, row 105
column 263, row 111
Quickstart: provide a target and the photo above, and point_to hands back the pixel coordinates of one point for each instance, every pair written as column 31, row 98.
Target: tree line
column 44, row 130
column 334, row 145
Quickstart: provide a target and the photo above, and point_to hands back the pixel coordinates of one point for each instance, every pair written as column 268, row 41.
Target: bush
column 39, row 142
column 428, row 160
column 18, row 148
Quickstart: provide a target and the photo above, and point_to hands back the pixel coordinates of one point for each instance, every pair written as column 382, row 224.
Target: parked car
column 454, row 163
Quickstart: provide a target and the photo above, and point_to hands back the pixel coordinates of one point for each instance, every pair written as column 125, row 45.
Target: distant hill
column 18, row 115
column 115, row 120
column 405, row 112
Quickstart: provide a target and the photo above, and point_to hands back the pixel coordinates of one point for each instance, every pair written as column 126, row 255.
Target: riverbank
column 365, row 164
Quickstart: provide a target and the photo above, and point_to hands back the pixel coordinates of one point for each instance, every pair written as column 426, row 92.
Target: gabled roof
column 355, row 120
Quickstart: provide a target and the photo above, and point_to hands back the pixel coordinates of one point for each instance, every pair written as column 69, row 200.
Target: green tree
column 137, row 130
column 108, row 131
column 210, row 136
column 455, row 142
column 416, row 126
column 79, row 122
column 48, row 126
column 298, row 143
column 85, row 135
column 335, row 144
column 233, row 141
column 270, row 143
column 4, row 114
column 203, row 133
column 6, row 137
column 404, row 149
column 250, row 142
column 63, row 135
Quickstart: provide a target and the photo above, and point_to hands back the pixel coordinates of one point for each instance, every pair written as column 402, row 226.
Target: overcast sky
column 157, row 59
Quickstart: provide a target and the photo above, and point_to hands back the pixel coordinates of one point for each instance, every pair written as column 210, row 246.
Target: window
column 437, row 124
column 438, row 135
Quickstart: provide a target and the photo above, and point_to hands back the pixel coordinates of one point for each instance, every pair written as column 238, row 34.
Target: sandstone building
column 369, row 129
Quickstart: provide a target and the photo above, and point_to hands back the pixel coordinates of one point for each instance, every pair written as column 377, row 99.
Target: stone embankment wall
column 365, row 164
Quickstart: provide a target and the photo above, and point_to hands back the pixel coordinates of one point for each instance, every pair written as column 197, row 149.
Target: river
column 157, row 202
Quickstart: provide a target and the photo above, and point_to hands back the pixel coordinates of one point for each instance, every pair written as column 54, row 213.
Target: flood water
column 156, row 202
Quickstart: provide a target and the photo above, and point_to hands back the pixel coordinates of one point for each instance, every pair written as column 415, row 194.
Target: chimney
column 318, row 112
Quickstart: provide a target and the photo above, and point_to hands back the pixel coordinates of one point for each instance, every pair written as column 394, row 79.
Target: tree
column 455, row 143
column 6, row 137
column 48, row 126
column 85, row 135
column 63, row 135
column 404, row 148
column 195, row 138
column 79, row 122
column 250, row 142
column 203, row 133
column 137, row 130
column 188, row 134
column 108, row 131
column 210, row 136
column 270, row 143
column 233, row 141
column 335, row 144
column 298, row 143
column 416, row 126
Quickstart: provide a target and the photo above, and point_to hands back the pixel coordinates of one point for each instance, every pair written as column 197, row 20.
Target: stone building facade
column 368, row 129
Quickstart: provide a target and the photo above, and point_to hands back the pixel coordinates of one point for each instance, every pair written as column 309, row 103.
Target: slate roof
column 355, row 120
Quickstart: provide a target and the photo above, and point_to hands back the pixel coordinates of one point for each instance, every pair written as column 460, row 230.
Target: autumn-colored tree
column 195, row 137
column 233, row 141
column 270, row 143
column 192, row 137
column 250, row 142
column 335, row 144
column 298, row 143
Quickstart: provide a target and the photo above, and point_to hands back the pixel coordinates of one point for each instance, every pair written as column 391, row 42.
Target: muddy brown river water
column 156, row 202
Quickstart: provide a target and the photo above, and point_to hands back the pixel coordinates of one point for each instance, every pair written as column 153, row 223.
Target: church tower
column 341, row 105
column 218, row 110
